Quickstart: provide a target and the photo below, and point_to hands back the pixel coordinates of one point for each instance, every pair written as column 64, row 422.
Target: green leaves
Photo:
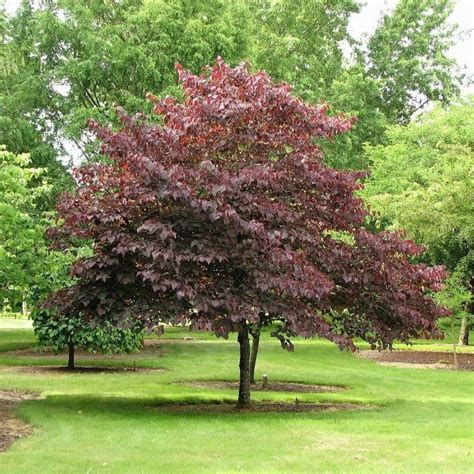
column 422, row 181
column 408, row 54
column 20, row 229
column 56, row 331
column 104, row 56
column 301, row 42
column 68, row 61
column 28, row 269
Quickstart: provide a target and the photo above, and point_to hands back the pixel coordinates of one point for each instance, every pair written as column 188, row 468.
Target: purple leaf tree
column 220, row 213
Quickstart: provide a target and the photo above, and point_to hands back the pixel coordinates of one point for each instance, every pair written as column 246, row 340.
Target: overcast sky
column 366, row 21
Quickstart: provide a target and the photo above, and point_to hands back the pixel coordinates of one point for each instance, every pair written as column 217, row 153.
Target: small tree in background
column 226, row 217
column 70, row 333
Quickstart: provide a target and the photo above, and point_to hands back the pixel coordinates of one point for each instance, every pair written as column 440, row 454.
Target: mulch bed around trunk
column 12, row 428
column 270, row 387
column 421, row 359
column 148, row 349
column 52, row 370
column 262, row 407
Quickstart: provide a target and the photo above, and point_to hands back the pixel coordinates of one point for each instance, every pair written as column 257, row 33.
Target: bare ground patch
column 292, row 387
column 421, row 359
column 12, row 428
column 148, row 350
column 262, row 407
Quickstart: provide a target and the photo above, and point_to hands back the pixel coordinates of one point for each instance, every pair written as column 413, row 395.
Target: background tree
column 29, row 122
column 408, row 53
column 225, row 212
column 302, row 41
column 422, row 182
column 97, row 54
column 359, row 95
column 78, row 59
column 397, row 71
column 457, row 295
column 24, row 255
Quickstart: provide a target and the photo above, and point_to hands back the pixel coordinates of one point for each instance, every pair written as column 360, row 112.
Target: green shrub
column 60, row 332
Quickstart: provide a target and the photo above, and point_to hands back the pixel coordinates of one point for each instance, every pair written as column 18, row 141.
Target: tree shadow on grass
column 187, row 405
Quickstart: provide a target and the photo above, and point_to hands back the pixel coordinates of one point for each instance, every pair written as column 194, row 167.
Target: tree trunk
column 24, row 307
column 254, row 354
column 244, row 365
column 70, row 362
column 464, row 334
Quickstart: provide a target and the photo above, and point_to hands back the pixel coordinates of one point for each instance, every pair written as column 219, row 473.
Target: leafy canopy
column 422, row 181
column 104, row 54
column 29, row 120
column 408, row 53
column 60, row 331
column 66, row 61
column 301, row 42
column 225, row 215
column 27, row 266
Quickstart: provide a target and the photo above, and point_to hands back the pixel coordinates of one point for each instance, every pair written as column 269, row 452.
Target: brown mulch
column 422, row 359
column 262, row 407
column 12, row 428
column 148, row 349
column 270, row 387
column 52, row 370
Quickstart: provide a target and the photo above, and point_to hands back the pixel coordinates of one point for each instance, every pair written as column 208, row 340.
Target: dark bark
column 254, row 354
column 244, row 365
column 70, row 362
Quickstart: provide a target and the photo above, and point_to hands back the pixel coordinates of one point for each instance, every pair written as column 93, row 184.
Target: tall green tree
column 77, row 59
column 402, row 67
column 99, row 54
column 29, row 121
column 357, row 95
column 301, row 41
column 408, row 53
column 422, row 181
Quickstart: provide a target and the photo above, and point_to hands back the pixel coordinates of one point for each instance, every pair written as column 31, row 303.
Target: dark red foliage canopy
column 224, row 213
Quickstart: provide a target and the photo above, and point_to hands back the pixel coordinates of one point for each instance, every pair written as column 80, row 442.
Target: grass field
column 422, row 420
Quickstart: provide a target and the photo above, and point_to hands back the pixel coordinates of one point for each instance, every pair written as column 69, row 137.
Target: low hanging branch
column 226, row 211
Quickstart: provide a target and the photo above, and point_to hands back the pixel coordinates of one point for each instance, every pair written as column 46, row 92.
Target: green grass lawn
column 423, row 420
